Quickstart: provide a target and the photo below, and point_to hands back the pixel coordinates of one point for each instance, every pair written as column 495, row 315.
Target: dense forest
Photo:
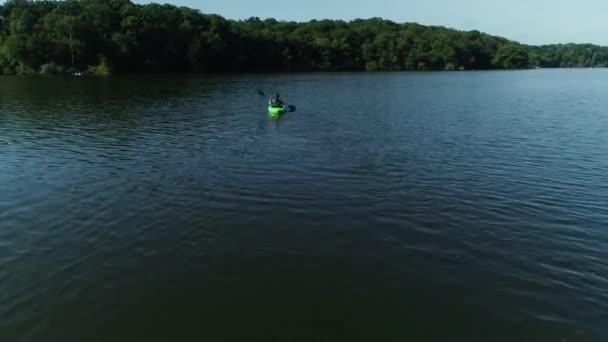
column 105, row 36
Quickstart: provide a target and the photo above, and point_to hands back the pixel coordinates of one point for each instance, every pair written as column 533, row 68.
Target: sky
column 526, row 21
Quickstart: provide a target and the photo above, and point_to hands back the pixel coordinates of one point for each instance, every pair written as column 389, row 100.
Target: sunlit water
column 389, row 207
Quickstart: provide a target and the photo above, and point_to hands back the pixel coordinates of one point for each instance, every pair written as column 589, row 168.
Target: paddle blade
column 292, row 108
column 261, row 93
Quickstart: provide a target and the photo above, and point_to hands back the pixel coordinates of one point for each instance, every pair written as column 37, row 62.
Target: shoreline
column 279, row 72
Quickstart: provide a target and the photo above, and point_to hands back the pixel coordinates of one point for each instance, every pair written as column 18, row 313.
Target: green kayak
column 276, row 111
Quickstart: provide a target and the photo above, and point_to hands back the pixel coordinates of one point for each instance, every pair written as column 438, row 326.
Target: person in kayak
column 275, row 101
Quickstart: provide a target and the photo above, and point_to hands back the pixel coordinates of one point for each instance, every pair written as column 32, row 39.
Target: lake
column 466, row 206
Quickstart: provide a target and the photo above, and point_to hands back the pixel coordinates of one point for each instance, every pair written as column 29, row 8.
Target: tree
column 511, row 56
column 62, row 27
column 122, row 36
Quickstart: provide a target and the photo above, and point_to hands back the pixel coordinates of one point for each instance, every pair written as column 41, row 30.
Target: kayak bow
column 276, row 111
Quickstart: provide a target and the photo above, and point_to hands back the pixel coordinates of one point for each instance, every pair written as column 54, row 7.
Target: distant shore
column 85, row 74
column 104, row 38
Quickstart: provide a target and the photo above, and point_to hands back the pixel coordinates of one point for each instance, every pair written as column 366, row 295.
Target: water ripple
column 158, row 201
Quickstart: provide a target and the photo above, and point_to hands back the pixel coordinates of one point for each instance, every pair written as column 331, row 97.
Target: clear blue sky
column 527, row 21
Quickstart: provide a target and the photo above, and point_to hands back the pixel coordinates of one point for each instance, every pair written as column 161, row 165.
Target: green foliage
column 70, row 35
column 48, row 69
column 512, row 56
column 101, row 69
column 24, row 70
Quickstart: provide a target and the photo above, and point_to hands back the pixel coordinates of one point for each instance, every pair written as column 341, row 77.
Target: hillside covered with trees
column 104, row 36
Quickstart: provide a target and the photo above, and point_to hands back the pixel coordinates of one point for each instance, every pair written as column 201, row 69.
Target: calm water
column 389, row 207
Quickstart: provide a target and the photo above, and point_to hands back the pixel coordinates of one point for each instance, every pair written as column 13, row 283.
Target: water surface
column 389, row 207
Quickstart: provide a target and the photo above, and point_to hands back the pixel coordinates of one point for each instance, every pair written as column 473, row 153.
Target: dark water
column 389, row 207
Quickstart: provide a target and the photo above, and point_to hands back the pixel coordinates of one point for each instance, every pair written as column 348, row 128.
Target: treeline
column 104, row 36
